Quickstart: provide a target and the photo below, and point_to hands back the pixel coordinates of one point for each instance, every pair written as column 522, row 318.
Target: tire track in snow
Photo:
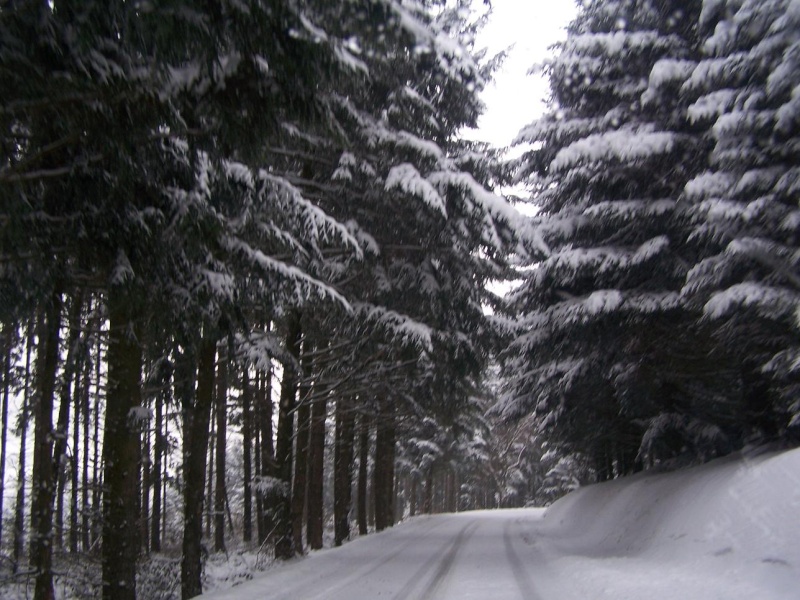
column 443, row 568
column 368, row 569
column 520, row 574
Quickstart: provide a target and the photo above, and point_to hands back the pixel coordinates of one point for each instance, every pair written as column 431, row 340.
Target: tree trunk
column 363, row 472
column 383, row 479
column 343, row 471
column 247, row 443
column 284, row 545
column 19, row 506
column 220, row 491
column 280, row 497
column 301, row 465
column 86, row 400
column 208, row 503
column 316, row 472
column 43, row 480
column 144, row 494
column 66, row 399
column 266, row 452
column 158, row 452
column 195, row 471
column 413, row 496
column 6, row 350
column 121, row 450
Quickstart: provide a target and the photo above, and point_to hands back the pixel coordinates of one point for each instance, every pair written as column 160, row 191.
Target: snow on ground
column 726, row 530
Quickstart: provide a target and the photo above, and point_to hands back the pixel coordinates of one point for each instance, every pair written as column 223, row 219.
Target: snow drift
column 727, row 529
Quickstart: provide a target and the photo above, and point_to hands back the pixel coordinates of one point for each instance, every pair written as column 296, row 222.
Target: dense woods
column 245, row 256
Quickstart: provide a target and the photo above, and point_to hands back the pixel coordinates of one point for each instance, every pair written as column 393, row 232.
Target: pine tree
column 743, row 208
column 601, row 327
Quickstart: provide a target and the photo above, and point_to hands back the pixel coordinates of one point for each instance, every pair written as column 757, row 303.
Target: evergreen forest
column 249, row 263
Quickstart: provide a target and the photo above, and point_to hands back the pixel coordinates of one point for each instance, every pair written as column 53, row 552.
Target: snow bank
column 727, row 529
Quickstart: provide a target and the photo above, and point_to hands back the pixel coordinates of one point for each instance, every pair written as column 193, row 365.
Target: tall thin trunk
column 85, row 539
column 247, row 444
column 86, row 409
column 158, row 452
column 316, row 472
column 220, row 491
column 280, row 500
column 363, row 472
column 301, row 465
column 144, row 493
column 208, row 503
column 7, row 346
column 65, row 401
column 383, row 479
column 19, row 506
column 266, row 451
column 97, row 474
column 342, row 470
column 80, row 387
column 121, row 453
column 43, row 481
column 195, row 471
column 412, row 496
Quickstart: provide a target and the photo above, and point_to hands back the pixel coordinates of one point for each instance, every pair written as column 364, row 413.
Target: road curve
column 475, row 555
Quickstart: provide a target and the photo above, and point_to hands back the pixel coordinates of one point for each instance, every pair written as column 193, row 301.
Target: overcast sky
column 516, row 98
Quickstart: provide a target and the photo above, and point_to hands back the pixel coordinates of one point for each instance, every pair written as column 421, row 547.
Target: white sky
column 516, row 99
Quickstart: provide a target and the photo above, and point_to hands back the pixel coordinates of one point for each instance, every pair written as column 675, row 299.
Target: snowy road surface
column 479, row 555
column 727, row 530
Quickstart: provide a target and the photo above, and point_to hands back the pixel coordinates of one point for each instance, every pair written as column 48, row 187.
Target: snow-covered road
column 477, row 555
column 727, row 530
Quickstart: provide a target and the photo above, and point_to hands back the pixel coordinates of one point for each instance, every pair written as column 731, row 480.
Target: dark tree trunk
column 316, row 472
column 195, row 471
column 144, row 493
column 427, row 506
column 6, row 350
column 158, row 452
column 208, row 503
column 43, row 477
column 384, row 471
column 86, row 408
column 301, row 467
column 19, row 506
column 343, row 471
column 363, row 473
column 220, row 491
column 66, row 399
column 280, row 499
column 97, row 475
column 265, row 452
column 413, row 496
column 247, row 444
column 121, row 452
column 81, row 383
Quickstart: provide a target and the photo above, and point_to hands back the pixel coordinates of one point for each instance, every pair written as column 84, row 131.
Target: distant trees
column 661, row 176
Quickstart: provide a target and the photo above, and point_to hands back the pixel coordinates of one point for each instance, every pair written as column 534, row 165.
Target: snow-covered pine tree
column 601, row 328
column 744, row 208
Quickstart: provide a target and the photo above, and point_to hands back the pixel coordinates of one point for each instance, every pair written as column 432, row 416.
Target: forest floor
column 725, row 530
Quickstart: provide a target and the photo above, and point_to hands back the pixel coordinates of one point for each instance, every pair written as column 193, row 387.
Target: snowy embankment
column 726, row 530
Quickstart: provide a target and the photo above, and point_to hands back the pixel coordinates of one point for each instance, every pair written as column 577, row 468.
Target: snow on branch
column 398, row 325
column 407, row 179
column 769, row 302
column 317, row 223
column 621, row 145
column 288, row 273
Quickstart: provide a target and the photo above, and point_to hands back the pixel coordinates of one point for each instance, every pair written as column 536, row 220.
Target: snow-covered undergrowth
column 728, row 529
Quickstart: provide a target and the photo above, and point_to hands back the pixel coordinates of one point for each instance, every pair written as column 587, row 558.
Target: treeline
column 662, row 325
column 232, row 216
